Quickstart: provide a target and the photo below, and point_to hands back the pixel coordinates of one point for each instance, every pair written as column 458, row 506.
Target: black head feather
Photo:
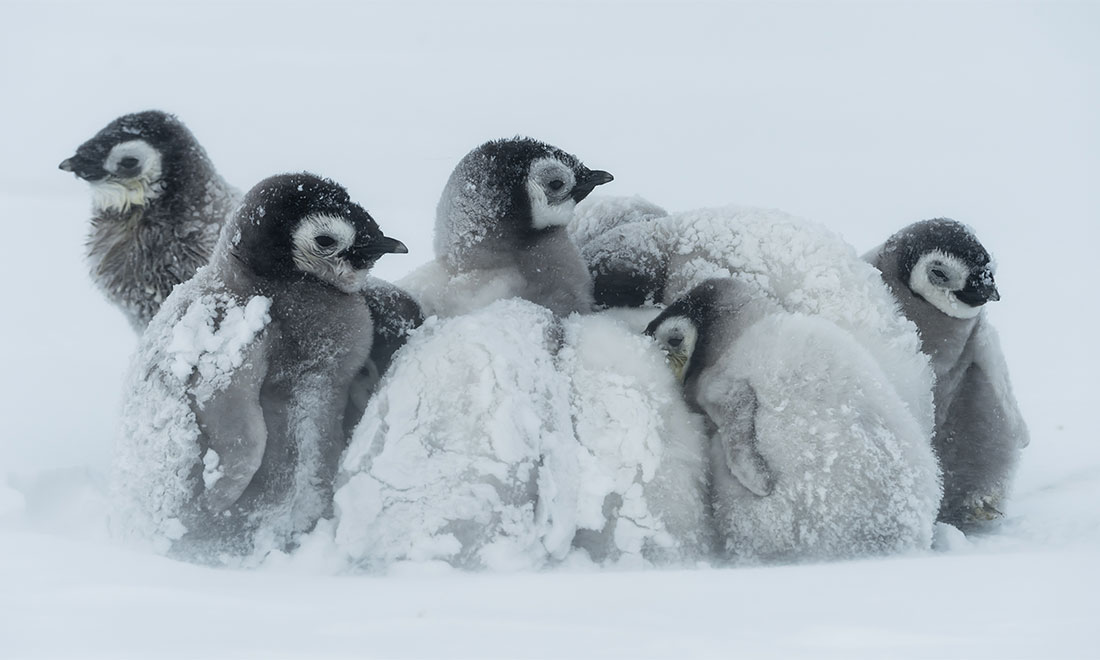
column 274, row 208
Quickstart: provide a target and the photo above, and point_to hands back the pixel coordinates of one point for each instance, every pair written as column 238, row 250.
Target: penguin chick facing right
column 813, row 453
column 158, row 206
column 942, row 276
column 233, row 419
column 501, row 231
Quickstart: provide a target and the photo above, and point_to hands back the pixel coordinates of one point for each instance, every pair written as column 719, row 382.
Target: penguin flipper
column 738, row 438
column 234, row 433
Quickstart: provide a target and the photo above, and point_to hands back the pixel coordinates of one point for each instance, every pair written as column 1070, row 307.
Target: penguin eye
column 325, row 241
column 938, row 275
column 556, row 184
column 128, row 163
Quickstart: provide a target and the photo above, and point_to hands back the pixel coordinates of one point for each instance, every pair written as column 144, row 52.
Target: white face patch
column 316, row 246
column 677, row 336
column 936, row 277
column 549, row 187
column 134, row 170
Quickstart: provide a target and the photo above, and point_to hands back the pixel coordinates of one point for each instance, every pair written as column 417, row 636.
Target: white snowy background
column 864, row 117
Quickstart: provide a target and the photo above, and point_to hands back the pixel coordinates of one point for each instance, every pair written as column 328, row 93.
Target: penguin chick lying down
column 233, row 418
column 813, row 453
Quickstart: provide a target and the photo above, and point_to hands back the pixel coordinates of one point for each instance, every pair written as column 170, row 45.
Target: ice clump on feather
column 193, row 344
column 802, row 265
column 462, row 455
column 854, row 472
column 642, row 482
column 506, row 439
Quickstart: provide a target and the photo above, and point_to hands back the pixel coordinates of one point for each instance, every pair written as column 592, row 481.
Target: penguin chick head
column 681, row 330
column 297, row 226
column 510, row 191
column 943, row 262
column 677, row 336
column 137, row 159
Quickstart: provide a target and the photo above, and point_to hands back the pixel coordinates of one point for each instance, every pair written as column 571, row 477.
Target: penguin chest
column 138, row 262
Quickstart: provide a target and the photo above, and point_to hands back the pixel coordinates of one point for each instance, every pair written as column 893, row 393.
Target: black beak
column 980, row 289
column 66, row 165
column 364, row 255
column 589, row 180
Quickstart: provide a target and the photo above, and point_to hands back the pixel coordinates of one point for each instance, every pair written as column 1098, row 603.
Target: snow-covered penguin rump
column 813, row 453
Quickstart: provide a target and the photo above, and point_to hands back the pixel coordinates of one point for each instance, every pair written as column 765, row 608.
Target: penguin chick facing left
column 233, row 418
column 501, row 232
column 814, row 455
column 157, row 208
column 942, row 276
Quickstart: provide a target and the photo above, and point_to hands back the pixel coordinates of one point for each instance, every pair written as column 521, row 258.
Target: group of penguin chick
column 610, row 383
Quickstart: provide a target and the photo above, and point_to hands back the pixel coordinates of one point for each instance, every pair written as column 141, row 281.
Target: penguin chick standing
column 813, row 453
column 942, row 276
column 234, row 416
column 157, row 208
column 501, row 231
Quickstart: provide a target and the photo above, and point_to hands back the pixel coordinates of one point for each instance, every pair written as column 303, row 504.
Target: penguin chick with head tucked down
column 942, row 276
column 501, row 231
column 157, row 208
column 813, row 453
column 234, row 418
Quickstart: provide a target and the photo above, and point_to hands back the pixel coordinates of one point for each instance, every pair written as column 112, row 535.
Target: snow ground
column 863, row 117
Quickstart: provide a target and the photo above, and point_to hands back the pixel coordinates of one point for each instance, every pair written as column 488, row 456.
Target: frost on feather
column 802, row 265
column 463, row 456
column 186, row 356
column 854, row 472
column 642, row 480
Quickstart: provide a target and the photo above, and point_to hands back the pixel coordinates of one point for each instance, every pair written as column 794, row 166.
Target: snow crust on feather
column 596, row 215
column 807, row 268
column 642, row 475
column 506, row 439
column 192, row 345
column 854, row 471
column 466, row 453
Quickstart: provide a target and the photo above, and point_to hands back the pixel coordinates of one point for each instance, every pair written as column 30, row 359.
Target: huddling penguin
column 234, row 413
column 813, row 453
column 500, row 231
column 942, row 276
column 506, row 436
column 158, row 205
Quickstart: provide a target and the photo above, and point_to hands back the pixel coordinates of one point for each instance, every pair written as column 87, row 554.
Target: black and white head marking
column 128, row 163
column 943, row 262
column 300, row 224
column 677, row 336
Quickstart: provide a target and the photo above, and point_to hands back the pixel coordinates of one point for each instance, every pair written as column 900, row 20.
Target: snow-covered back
column 506, row 439
column 464, row 453
column 186, row 355
column 854, row 471
column 641, row 472
column 804, row 266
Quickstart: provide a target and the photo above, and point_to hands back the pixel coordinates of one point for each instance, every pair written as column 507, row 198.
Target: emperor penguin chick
column 942, row 276
column 157, row 208
column 501, row 231
column 813, row 453
column 234, row 416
